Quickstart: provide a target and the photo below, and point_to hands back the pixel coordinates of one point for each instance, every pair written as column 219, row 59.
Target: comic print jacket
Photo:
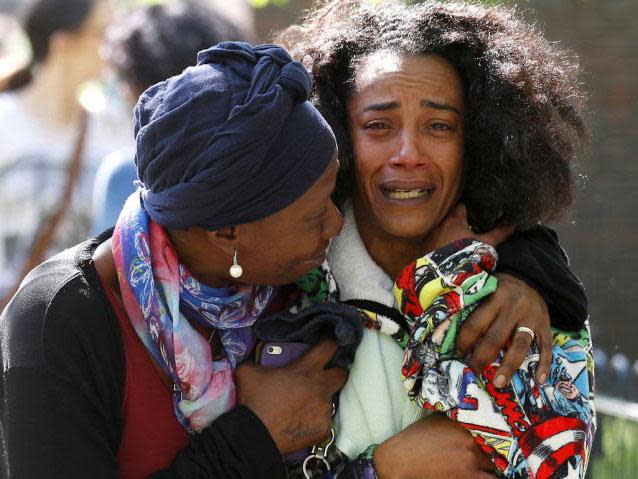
column 529, row 430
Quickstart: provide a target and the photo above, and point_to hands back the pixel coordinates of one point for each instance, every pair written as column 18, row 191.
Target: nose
column 409, row 154
column 333, row 223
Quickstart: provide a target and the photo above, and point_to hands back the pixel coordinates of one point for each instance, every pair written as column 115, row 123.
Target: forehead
column 385, row 72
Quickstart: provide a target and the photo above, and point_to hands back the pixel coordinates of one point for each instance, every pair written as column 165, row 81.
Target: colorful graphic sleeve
column 530, row 430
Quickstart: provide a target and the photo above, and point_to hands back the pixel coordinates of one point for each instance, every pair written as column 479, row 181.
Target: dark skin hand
column 437, row 448
column 295, row 401
column 492, row 326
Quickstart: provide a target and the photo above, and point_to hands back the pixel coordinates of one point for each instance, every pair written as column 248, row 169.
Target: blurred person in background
column 150, row 45
column 50, row 145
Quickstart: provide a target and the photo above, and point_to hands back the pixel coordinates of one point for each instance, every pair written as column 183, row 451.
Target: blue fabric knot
column 231, row 140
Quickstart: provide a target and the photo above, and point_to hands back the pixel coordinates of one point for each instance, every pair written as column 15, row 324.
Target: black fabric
column 379, row 308
column 343, row 322
column 235, row 448
column 63, row 381
column 535, row 256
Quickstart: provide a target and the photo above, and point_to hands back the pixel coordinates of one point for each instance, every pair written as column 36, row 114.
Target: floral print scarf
column 163, row 301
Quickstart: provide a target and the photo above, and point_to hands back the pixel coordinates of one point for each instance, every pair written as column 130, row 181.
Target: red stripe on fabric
column 557, row 459
column 539, row 432
column 505, row 400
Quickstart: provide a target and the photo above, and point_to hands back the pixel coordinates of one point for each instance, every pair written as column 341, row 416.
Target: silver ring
column 526, row 330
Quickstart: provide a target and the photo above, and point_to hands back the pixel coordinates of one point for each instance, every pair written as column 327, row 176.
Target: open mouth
column 407, row 194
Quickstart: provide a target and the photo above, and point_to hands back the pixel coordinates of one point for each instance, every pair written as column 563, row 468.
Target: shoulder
column 60, row 312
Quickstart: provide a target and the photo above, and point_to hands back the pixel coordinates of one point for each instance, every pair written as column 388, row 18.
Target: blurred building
column 601, row 232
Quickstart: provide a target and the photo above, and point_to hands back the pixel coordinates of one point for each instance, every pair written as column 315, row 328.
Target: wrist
column 382, row 461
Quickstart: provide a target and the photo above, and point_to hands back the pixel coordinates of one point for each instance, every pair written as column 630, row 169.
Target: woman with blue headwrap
column 120, row 354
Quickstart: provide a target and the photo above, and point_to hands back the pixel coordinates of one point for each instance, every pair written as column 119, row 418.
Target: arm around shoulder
column 536, row 256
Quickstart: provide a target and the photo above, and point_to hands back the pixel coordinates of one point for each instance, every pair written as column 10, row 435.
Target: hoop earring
column 236, row 270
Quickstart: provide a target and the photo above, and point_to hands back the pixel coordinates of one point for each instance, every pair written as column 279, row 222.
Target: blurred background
column 599, row 233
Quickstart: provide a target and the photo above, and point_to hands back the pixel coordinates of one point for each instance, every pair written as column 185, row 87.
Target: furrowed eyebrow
column 390, row 105
column 439, row 106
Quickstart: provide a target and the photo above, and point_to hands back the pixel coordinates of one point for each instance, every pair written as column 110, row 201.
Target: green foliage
column 619, row 456
column 266, row 3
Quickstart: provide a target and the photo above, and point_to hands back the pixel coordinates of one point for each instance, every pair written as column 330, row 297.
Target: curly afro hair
column 524, row 115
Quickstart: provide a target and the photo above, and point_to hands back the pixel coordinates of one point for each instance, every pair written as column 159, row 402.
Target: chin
column 292, row 274
column 415, row 228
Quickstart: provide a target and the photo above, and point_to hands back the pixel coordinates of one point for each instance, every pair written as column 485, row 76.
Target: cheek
column 369, row 159
column 453, row 169
column 293, row 249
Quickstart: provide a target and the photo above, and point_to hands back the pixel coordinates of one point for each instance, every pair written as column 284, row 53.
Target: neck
column 191, row 254
column 52, row 95
column 391, row 253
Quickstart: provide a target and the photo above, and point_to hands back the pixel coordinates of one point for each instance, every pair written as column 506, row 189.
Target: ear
column 224, row 239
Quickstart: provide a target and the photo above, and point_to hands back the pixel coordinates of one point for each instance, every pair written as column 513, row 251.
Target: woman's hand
column 433, row 448
column 295, row 401
column 493, row 324
column 455, row 227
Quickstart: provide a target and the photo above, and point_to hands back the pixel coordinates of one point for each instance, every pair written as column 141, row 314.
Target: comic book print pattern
column 529, row 430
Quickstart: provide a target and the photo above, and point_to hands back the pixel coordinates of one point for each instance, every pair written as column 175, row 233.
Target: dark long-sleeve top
column 63, row 384
column 64, row 371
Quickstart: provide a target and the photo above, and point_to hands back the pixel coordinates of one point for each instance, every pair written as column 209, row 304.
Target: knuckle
column 471, row 326
column 520, row 300
column 491, row 338
column 499, row 296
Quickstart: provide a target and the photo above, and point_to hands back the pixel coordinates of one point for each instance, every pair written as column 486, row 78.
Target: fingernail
column 542, row 378
column 500, row 381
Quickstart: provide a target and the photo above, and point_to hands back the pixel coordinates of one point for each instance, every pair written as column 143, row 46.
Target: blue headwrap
column 231, row 140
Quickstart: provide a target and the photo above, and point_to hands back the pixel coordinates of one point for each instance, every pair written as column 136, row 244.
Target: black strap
column 374, row 307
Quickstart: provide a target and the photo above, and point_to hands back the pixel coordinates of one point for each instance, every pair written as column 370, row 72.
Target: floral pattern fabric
column 163, row 301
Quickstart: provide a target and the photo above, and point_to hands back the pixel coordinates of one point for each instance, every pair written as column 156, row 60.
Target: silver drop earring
column 236, row 270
